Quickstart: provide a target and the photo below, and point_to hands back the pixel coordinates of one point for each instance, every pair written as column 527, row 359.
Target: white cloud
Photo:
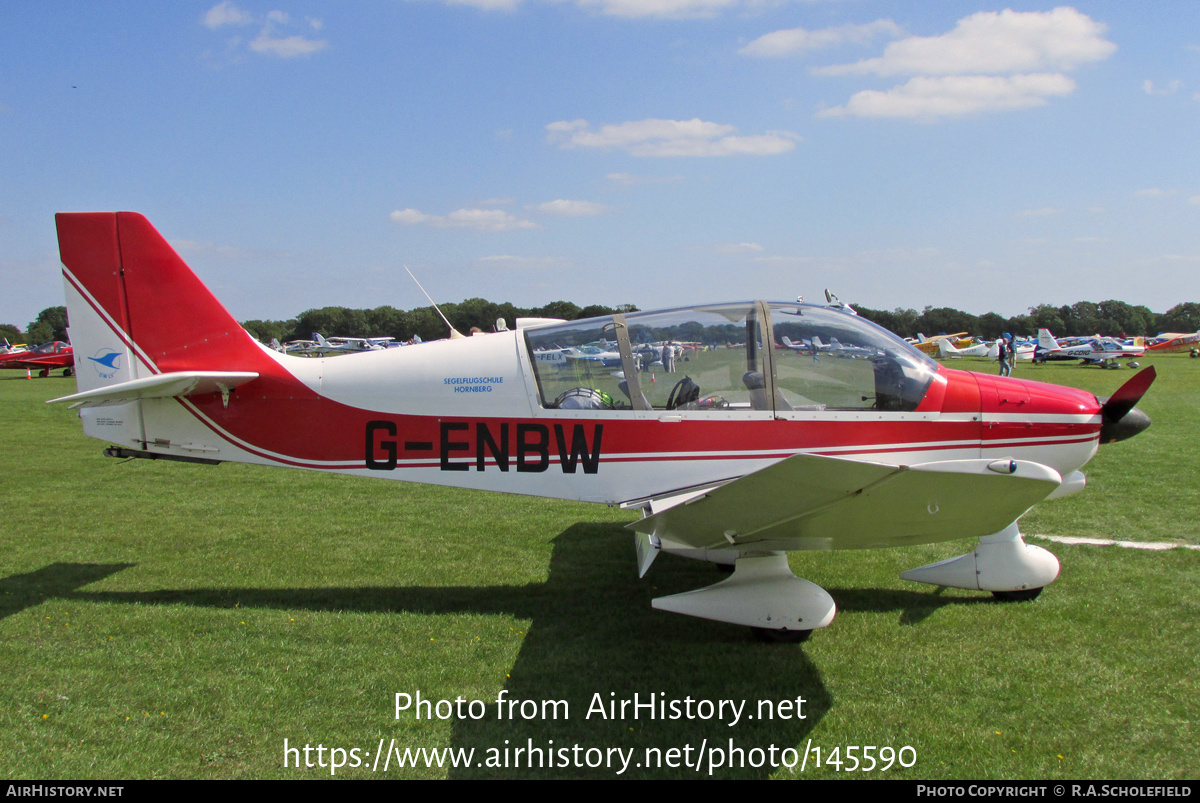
column 1153, row 192
column 670, row 138
column 1170, row 88
column 270, row 40
column 1045, row 211
column 990, row 61
column 1195, row 200
column 226, row 13
column 794, row 41
column 572, row 208
column 476, row 219
column 286, row 47
column 930, row 98
column 992, row 42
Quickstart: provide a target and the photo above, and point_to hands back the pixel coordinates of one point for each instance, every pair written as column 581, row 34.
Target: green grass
column 177, row 621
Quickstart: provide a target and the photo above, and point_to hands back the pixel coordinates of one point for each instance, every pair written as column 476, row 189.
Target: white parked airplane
column 990, row 351
column 1093, row 350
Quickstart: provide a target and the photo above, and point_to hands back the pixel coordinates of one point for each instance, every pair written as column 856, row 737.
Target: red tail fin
column 133, row 278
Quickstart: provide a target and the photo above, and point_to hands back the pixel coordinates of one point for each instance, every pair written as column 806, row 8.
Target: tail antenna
column 453, row 332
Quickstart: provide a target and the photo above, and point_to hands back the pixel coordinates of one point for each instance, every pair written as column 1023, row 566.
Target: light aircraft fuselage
column 743, row 452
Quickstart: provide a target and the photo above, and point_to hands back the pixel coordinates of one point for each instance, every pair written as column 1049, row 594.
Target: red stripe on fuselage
column 320, row 433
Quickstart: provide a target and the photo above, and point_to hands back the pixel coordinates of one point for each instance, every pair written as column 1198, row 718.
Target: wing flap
column 160, row 386
column 816, row 502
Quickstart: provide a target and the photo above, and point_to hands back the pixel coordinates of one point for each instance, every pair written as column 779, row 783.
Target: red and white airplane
column 745, row 457
column 43, row 358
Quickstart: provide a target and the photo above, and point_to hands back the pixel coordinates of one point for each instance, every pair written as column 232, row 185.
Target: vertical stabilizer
column 137, row 311
column 1047, row 341
column 137, row 286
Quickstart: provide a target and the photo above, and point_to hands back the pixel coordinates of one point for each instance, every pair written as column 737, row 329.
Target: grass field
column 164, row 620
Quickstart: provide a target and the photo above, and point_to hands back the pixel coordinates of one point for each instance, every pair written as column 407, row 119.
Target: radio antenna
column 453, row 332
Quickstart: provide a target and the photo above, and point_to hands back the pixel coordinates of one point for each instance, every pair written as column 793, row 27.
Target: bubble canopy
column 754, row 357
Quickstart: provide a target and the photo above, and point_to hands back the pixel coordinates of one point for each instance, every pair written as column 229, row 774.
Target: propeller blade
column 1129, row 394
column 1121, row 419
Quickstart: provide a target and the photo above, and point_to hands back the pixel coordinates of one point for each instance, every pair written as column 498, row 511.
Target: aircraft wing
column 815, row 502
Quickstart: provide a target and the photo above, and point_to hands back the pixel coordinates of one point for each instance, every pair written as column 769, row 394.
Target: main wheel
column 770, row 635
column 1023, row 595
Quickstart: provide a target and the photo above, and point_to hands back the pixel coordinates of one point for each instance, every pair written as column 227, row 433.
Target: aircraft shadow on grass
column 630, row 649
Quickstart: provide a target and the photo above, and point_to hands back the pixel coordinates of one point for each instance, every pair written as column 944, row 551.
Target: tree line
column 51, row 324
column 422, row 321
column 1080, row 318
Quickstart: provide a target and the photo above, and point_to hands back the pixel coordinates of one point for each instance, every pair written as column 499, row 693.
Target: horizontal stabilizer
column 160, row 386
column 816, row 502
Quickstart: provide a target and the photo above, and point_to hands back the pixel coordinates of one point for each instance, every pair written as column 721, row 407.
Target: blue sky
column 654, row 152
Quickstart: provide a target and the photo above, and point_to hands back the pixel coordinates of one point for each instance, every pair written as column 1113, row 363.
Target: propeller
column 1121, row 419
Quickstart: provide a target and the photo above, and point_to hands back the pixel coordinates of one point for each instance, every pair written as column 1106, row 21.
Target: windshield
column 839, row 361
